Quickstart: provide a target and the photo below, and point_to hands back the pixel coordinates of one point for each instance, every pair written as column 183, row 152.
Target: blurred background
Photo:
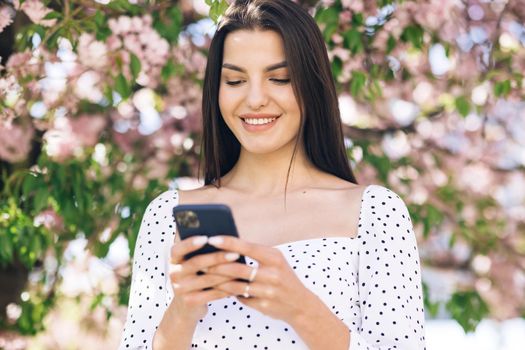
column 100, row 112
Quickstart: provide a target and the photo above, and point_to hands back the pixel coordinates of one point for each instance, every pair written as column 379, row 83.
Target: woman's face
column 256, row 97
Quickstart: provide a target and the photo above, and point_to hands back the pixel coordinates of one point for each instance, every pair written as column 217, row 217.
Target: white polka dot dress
column 371, row 282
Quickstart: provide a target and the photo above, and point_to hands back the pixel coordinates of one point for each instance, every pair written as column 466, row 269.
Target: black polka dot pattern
column 371, row 282
column 151, row 291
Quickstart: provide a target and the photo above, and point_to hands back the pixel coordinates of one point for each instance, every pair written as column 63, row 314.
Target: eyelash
column 278, row 81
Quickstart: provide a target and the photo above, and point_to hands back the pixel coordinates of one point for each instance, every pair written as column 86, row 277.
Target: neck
column 264, row 175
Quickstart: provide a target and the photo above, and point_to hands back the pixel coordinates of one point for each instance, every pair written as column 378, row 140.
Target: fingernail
column 231, row 256
column 175, row 285
column 215, row 240
column 200, row 240
column 175, row 268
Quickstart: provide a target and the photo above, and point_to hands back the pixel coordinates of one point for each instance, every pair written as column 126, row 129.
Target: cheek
column 289, row 102
column 226, row 101
column 223, row 102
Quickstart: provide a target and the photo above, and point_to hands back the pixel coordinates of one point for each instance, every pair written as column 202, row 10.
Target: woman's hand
column 276, row 290
column 190, row 299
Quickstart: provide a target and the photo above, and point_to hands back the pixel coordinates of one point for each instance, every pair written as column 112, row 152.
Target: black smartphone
column 207, row 220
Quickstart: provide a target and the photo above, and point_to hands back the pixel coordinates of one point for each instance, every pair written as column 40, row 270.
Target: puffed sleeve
column 150, row 288
column 390, row 292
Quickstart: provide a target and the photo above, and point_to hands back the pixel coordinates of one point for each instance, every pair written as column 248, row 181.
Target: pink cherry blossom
column 137, row 37
column 87, row 128
column 353, row 5
column 92, row 53
column 137, row 24
column 127, row 140
column 8, row 85
column 5, row 17
column 69, row 136
column 345, row 16
column 23, row 64
column 50, row 220
column 60, row 142
column 16, row 141
column 36, row 11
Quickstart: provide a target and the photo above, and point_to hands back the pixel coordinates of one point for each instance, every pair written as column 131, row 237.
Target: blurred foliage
column 100, row 111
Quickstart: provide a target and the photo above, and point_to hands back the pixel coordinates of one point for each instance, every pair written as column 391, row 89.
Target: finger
column 197, row 283
column 202, row 297
column 263, row 254
column 244, row 271
column 186, row 246
column 256, row 290
column 202, row 262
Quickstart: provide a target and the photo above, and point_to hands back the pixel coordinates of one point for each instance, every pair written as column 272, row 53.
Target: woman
column 331, row 265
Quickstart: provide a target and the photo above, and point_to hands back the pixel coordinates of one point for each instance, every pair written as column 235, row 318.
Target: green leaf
column 431, row 307
column 124, row 6
column 30, row 183
column 54, row 15
column 41, row 198
column 462, row 105
column 380, row 162
column 452, row 240
column 135, row 66
column 337, row 67
column 329, row 15
column 167, row 71
column 357, row 19
column 502, row 88
column 122, row 86
column 97, row 300
column 390, row 44
column 468, row 309
column 217, row 8
column 223, row 6
column 432, row 218
column 353, row 41
column 101, row 23
column 329, row 30
column 357, row 82
column 99, row 18
column 374, row 90
column 169, row 25
column 6, row 247
column 413, row 34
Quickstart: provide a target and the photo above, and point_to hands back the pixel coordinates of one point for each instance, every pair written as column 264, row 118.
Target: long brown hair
column 312, row 81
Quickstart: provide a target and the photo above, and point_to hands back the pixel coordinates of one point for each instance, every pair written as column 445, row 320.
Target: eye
column 233, row 83
column 281, row 81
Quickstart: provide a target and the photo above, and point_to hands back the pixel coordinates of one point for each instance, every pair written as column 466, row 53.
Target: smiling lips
column 258, row 122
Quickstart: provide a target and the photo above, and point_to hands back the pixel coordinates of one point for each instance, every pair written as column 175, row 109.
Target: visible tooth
column 259, row 121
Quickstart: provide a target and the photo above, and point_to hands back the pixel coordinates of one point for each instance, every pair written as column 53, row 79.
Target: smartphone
column 207, row 220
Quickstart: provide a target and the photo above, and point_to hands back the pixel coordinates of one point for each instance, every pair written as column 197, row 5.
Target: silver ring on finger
column 246, row 293
column 252, row 274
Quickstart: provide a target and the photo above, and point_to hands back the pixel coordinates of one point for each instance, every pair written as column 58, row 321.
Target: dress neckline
column 315, row 239
column 327, row 237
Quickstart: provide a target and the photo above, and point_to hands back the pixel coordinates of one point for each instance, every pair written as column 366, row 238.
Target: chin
column 259, row 149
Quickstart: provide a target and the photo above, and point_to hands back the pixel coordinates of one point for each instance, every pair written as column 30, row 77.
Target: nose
column 257, row 95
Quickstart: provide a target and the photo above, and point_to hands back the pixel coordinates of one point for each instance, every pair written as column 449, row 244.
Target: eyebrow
column 267, row 69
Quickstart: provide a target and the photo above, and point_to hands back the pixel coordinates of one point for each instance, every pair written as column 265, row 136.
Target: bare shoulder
column 343, row 194
column 352, row 197
column 344, row 190
column 355, row 191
